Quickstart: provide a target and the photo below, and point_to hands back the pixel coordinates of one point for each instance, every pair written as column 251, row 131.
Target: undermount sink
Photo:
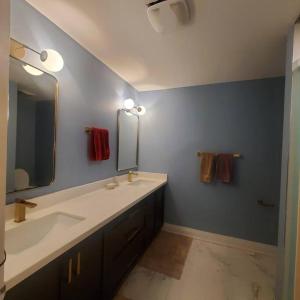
column 141, row 182
column 31, row 233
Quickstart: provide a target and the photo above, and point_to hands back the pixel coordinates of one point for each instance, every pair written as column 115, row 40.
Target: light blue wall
column 243, row 117
column 90, row 94
column 26, row 137
column 45, row 135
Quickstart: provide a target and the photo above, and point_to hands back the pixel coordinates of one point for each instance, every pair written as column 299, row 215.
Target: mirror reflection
column 31, row 127
column 128, row 132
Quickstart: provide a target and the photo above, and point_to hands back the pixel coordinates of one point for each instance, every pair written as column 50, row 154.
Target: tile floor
column 210, row 272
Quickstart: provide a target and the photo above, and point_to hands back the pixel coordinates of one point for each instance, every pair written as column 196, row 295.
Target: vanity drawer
column 116, row 270
column 123, row 231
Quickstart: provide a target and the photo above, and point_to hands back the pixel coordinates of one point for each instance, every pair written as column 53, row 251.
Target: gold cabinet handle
column 78, row 264
column 70, row 263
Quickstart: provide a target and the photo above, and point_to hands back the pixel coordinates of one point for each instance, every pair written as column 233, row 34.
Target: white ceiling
column 227, row 40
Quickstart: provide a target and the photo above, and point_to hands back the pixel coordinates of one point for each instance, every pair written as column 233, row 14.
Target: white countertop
column 93, row 202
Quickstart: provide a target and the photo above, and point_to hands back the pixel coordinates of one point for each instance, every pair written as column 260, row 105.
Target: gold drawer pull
column 133, row 234
column 70, row 263
column 78, row 264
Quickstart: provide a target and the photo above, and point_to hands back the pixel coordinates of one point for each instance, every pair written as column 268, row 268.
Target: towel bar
column 88, row 129
column 264, row 204
column 235, row 155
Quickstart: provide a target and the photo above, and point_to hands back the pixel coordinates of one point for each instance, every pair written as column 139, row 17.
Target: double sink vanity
column 78, row 243
column 81, row 243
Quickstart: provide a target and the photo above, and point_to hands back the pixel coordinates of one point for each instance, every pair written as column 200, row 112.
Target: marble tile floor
column 211, row 272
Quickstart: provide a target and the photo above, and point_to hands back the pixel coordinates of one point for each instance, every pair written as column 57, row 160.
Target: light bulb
column 52, row 60
column 129, row 104
column 32, row 71
column 141, row 110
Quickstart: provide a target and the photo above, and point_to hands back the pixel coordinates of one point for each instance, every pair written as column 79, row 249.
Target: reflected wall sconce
column 50, row 59
column 32, row 70
column 132, row 108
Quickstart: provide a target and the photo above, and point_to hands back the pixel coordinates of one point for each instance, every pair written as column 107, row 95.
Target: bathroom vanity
column 91, row 258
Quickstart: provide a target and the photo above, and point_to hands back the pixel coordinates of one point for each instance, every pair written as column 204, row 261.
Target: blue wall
column 90, row 94
column 45, row 135
column 26, row 136
column 243, row 117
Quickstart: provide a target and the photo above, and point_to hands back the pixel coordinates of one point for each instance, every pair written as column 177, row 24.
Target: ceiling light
column 168, row 15
column 32, row 71
column 52, row 60
column 129, row 104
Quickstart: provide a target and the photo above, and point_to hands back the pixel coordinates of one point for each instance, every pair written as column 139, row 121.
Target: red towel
column 99, row 144
column 224, row 168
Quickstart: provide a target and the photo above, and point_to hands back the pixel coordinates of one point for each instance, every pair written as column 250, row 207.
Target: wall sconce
column 50, row 59
column 130, row 107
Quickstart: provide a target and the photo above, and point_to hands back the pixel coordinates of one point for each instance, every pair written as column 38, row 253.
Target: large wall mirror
column 128, row 139
column 31, row 126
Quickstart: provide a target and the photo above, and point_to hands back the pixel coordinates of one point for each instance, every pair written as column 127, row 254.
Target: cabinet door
column 81, row 270
column 159, row 210
column 149, row 219
column 44, row 284
column 123, row 244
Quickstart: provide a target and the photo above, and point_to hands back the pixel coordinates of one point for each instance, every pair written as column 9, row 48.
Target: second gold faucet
column 130, row 175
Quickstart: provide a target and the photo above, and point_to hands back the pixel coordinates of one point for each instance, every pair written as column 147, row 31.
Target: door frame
column 297, row 260
column 4, row 80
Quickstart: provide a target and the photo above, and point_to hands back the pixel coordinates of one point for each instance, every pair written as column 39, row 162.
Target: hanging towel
column 224, row 167
column 99, row 144
column 207, row 167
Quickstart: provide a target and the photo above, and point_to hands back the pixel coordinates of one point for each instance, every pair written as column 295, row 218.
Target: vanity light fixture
column 141, row 110
column 52, row 60
column 131, row 108
column 129, row 104
column 32, row 71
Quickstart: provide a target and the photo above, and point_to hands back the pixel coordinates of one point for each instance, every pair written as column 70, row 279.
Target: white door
column 4, row 56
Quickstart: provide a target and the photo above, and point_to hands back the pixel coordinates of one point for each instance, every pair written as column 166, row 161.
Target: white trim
column 222, row 239
column 4, row 78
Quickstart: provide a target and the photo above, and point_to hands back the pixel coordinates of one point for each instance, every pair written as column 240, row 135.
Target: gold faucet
column 130, row 174
column 20, row 209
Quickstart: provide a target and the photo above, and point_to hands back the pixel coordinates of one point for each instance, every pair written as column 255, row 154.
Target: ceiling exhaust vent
column 167, row 15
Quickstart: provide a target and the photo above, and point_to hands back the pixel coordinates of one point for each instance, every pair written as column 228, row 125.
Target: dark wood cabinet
column 123, row 244
column 76, row 275
column 82, row 269
column 158, row 210
column 149, row 218
column 95, row 268
column 43, row 284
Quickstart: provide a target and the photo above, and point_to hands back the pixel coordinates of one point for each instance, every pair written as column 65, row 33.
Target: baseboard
column 222, row 239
